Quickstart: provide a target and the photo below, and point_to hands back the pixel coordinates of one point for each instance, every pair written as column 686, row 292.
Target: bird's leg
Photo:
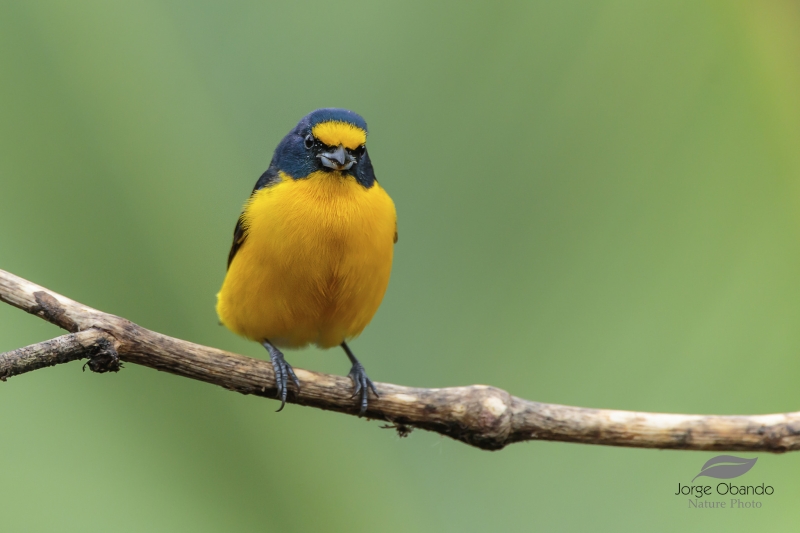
column 361, row 383
column 283, row 371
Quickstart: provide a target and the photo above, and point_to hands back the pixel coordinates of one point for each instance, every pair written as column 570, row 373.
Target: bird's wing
column 270, row 177
column 238, row 239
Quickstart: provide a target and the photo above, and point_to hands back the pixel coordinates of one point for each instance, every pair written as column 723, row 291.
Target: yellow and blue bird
column 312, row 250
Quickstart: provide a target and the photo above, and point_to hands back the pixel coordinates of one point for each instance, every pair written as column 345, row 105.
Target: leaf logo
column 726, row 467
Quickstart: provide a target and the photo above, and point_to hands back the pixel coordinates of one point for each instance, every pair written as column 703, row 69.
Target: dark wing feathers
column 270, row 177
column 238, row 238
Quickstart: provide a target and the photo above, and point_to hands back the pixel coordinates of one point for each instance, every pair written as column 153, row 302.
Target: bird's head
column 328, row 140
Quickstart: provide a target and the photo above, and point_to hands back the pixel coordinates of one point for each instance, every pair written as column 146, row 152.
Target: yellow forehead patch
column 334, row 133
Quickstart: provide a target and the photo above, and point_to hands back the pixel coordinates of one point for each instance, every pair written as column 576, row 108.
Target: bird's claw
column 283, row 371
column 361, row 386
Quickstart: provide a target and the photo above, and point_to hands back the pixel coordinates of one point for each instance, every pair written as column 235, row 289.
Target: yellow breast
column 315, row 263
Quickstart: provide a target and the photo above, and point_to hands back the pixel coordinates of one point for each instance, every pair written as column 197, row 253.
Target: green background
column 599, row 205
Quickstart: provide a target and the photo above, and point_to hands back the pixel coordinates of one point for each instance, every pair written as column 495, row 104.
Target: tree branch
column 92, row 343
column 479, row 415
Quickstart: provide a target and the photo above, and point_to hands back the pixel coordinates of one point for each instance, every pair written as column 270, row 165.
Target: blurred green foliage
column 598, row 205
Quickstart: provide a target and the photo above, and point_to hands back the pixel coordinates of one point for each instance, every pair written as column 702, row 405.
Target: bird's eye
column 360, row 150
column 309, row 141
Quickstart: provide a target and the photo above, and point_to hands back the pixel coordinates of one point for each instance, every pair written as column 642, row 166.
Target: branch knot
column 487, row 416
column 104, row 357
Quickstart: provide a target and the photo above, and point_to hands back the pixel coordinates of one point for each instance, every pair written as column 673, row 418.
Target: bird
column 312, row 249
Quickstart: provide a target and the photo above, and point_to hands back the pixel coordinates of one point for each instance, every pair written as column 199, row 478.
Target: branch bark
column 479, row 415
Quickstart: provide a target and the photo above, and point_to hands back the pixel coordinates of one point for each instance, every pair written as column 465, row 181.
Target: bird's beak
column 338, row 159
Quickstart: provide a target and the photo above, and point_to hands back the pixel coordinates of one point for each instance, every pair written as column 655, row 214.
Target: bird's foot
column 283, row 371
column 361, row 385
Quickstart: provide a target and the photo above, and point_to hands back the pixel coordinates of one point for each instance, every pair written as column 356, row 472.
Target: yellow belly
column 315, row 264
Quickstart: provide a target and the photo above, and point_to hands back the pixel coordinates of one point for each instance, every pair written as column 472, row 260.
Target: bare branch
column 478, row 415
column 91, row 343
